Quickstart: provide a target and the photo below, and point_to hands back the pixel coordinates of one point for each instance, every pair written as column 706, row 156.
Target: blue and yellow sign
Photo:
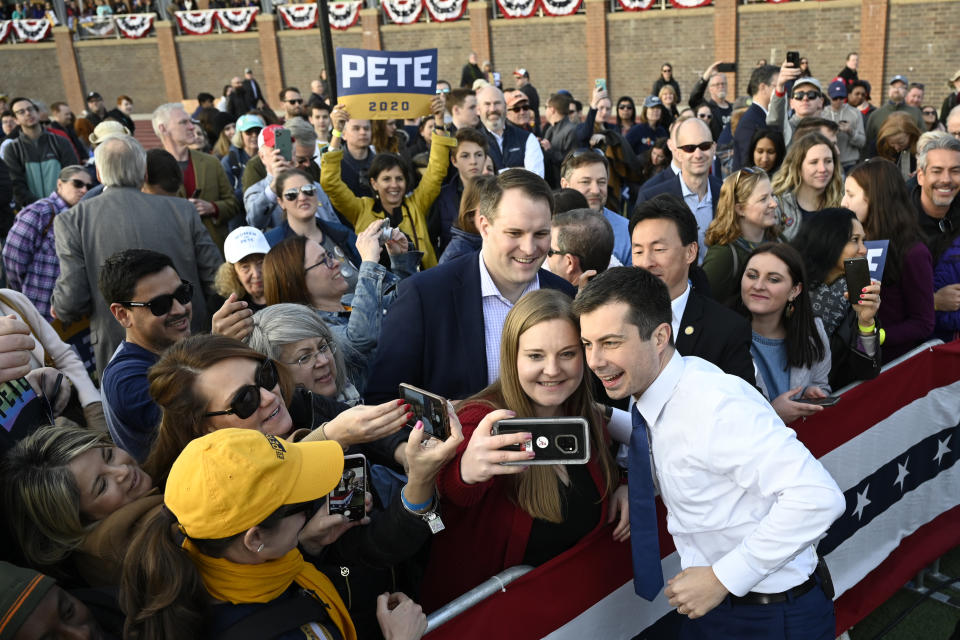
column 378, row 85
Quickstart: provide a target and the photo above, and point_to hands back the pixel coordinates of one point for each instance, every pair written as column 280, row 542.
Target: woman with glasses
column 791, row 350
column 876, row 193
column 930, row 120
column 767, row 150
column 626, row 115
column 29, row 250
column 703, row 112
column 389, row 181
column 829, row 238
column 666, row 78
column 808, row 181
column 746, row 217
column 301, row 271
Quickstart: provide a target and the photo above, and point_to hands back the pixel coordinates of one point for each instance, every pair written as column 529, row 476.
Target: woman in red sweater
column 499, row 516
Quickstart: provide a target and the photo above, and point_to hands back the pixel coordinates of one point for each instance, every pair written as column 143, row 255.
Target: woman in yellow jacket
column 389, row 182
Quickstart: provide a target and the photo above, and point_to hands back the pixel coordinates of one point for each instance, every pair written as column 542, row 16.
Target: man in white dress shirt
column 746, row 501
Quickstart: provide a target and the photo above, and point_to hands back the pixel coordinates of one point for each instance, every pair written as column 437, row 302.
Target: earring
column 791, row 307
column 260, row 548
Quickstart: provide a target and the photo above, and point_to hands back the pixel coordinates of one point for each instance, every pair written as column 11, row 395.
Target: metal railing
column 475, row 596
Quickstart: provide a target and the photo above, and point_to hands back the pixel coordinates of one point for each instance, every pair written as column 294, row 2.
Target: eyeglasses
column 809, row 95
column 705, row 116
column 247, row 398
column 557, row 252
column 293, row 193
column 326, row 350
column 930, row 112
column 80, row 184
column 946, row 225
column 666, row 70
column 690, row 148
column 161, row 305
column 20, row 112
column 308, row 508
column 624, row 106
column 295, row 101
column 252, row 132
column 327, row 260
column 752, row 171
column 519, row 109
column 439, row 91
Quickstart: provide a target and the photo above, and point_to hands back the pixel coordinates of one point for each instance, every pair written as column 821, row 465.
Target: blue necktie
column 644, row 541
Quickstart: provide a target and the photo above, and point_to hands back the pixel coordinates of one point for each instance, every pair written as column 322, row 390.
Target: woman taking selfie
column 389, row 181
column 746, row 217
column 790, row 349
column 808, row 181
column 875, row 192
column 829, row 238
column 498, row 516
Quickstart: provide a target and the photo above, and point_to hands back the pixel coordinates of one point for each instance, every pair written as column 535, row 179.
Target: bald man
column 510, row 146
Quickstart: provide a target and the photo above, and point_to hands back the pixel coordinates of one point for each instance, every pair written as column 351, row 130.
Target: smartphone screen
column 429, row 408
column 857, row 273
column 349, row 496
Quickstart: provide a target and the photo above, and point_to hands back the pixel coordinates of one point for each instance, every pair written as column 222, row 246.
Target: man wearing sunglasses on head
column 152, row 303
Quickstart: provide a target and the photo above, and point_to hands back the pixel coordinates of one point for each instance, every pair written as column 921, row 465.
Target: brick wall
column 31, row 70
column 682, row 38
column 208, row 62
column 550, row 48
column 452, row 40
column 823, row 32
column 922, row 44
column 115, row 67
column 301, row 54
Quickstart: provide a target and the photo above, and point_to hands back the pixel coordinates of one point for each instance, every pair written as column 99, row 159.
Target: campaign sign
column 378, row 85
column 876, row 257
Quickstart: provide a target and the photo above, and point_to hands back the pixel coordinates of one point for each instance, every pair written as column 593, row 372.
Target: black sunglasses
column 309, row 508
column 809, row 95
column 80, row 184
column 247, row 398
column 297, row 101
column 519, row 109
column 690, row 148
column 161, row 305
column 292, row 194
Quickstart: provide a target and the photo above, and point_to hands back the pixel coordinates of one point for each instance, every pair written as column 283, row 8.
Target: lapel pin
column 688, row 330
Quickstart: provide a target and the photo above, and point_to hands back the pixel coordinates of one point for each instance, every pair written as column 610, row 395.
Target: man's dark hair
column 643, row 292
column 120, row 273
column 761, row 75
column 7, row 112
column 204, row 97
column 532, row 186
column 813, row 123
column 469, row 134
column 321, row 105
column 13, row 102
column 560, row 103
column 861, row 83
column 283, row 93
column 568, row 199
column 163, row 170
column 667, row 206
column 457, row 97
column 55, row 106
column 587, row 235
column 581, row 158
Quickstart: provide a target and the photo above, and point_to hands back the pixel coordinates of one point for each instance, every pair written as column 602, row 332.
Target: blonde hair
column 790, row 176
column 41, row 497
column 736, row 190
column 537, row 489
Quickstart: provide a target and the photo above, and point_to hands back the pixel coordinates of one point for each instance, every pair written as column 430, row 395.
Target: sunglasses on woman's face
column 247, row 399
column 292, row 194
column 80, row 184
column 161, row 305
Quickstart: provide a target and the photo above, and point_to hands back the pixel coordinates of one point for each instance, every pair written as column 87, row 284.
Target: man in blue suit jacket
column 762, row 82
column 443, row 331
column 694, row 185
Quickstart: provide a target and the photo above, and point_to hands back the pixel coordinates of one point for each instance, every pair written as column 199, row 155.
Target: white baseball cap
column 242, row 242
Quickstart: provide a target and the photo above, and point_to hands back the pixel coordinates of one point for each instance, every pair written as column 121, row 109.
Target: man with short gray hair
column 580, row 240
column 120, row 218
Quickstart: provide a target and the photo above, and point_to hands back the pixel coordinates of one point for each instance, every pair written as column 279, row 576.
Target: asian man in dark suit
column 762, row 81
column 443, row 331
column 663, row 236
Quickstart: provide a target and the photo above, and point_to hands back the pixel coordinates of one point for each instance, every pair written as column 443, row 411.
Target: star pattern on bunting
column 942, row 448
column 902, row 473
column 862, row 502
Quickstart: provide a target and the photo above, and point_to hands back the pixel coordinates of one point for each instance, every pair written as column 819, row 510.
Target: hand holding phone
column 485, row 454
column 857, row 273
column 793, row 59
column 552, row 440
column 727, row 67
column 828, row 401
column 428, row 408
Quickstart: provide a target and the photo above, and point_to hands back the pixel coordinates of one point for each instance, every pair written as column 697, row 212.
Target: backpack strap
column 279, row 617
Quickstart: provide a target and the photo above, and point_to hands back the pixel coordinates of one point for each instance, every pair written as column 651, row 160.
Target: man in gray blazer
column 124, row 218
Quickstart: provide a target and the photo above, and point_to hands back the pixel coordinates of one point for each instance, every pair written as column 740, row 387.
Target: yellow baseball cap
column 233, row 479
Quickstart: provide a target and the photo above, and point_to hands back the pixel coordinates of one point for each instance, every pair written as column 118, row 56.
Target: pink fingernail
column 419, row 424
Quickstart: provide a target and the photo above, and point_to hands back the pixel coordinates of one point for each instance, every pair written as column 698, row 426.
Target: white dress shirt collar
column 650, row 403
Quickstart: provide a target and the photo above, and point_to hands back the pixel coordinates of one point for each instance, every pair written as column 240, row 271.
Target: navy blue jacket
column 671, row 185
column 752, row 121
column 433, row 337
column 514, row 147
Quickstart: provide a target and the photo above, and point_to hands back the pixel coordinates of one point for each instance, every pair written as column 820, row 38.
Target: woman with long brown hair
column 497, row 515
column 809, row 180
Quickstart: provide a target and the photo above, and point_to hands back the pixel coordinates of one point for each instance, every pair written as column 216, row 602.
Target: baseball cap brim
column 321, row 467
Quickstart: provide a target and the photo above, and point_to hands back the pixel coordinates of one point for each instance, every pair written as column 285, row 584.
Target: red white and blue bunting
column 135, row 25
column 445, row 10
column 343, row 15
column 196, row 23
column 237, row 20
column 689, row 4
column 518, row 8
column 31, row 30
column 96, row 27
column 560, row 7
column 299, row 16
column 4, row 29
column 635, row 5
column 403, row 11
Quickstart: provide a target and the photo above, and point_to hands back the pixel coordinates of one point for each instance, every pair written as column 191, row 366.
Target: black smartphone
column 555, row 440
column 349, row 497
column 858, row 276
column 727, row 67
column 429, row 408
column 284, row 143
column 793, row 58
column 829, row 401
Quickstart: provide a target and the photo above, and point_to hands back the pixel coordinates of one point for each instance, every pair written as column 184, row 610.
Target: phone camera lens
column 567, row 443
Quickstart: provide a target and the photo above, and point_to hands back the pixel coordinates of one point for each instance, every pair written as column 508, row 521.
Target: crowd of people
column 200, row 339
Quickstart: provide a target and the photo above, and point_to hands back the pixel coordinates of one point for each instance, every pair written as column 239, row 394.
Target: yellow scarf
column 246, row 583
